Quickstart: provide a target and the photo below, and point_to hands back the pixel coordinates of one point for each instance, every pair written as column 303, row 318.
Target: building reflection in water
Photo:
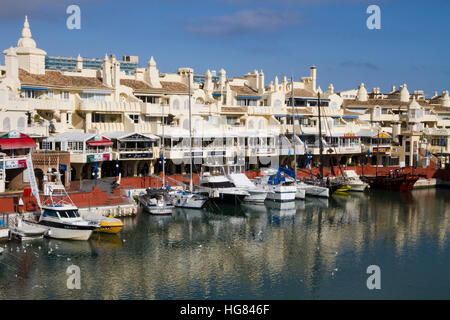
column 291, row 250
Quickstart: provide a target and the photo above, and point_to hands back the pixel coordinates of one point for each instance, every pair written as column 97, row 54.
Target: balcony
column 29, row 104
column 265, row 110
column 155, row 109
column 110, row 106
column 266, row 151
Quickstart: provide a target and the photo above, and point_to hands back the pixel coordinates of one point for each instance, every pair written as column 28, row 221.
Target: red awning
column 17, row 143
column 99, row 143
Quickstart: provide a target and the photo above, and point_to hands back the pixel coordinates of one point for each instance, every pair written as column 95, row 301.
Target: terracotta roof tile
column 170, row 86
column 140, row 86
column 57, row 79
column 303, row 93
column 244, row 91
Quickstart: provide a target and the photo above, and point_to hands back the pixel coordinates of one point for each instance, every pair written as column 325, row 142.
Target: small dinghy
column 23, row 230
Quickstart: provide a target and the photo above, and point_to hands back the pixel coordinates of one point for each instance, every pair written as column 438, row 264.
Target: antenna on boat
column 293, row 129
column 191, row 188
column 320, row 138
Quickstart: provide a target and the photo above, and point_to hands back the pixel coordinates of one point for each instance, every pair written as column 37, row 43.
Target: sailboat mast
column 190, row 137
column 293, row 129
column 162, row 147
column 378, row 150
column 320, row 138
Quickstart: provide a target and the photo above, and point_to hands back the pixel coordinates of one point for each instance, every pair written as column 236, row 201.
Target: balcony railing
column 39, row 104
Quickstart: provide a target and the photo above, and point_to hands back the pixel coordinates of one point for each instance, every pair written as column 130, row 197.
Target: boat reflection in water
column 268, row 252
column 106, row 240
column 282, row 208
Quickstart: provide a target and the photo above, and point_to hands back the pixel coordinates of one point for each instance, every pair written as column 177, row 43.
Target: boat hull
column 256, row 196
column 230, row 198
column 67, row 234
column 357, row 187
column 66, row 231
column 300, row 194
column 282, row 194
column 188, row 201
column 400, row 183
column 110, row 227
column 316, row 191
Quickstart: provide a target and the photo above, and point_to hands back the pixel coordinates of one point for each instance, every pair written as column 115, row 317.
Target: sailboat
column 300, row 193
column 156, row 201
column 332, row 185
column 395, row 181
column 187, row 198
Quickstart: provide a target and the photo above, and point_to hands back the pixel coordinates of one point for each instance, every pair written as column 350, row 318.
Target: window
column 92, row 96
column 21, row 124
column 50, row 213
column 106, row 118
column 31, row 94
column 50, row 94
column 6, row 124
column 134, row 117
column 65, row 95
column 233, row 121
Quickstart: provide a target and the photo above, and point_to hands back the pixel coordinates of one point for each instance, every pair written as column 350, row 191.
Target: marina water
column 319, row 249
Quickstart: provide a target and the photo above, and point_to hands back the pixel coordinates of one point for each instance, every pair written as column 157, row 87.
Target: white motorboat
column 183, row 199
column 60, row 216
column 351, row 178
column 313, row 190
column 217, row 186
column 277, row 189
column 240, row 180
column 23, row 230
column 155, row 201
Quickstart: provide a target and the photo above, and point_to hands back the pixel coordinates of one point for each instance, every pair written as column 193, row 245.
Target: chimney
column 313, row 75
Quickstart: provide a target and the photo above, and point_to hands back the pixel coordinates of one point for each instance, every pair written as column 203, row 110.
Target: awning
column 16, row 143
column 33, row 88
column 99, row 143
column 249, row 97
column 382, row 135
column 103, row 92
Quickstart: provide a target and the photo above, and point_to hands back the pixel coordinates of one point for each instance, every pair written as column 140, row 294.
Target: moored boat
column 155, row 201
column 395, row 182
column 23, row 230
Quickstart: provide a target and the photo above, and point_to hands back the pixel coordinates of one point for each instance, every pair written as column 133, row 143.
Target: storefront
column 15, row 147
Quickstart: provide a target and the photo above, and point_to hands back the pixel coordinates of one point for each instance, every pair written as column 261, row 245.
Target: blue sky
column 283, row 37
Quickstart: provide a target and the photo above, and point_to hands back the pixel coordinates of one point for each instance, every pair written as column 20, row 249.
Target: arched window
column 176, row 104
column 21, row 124
column 6, row 124
column 251, row 124
column 186, row 104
